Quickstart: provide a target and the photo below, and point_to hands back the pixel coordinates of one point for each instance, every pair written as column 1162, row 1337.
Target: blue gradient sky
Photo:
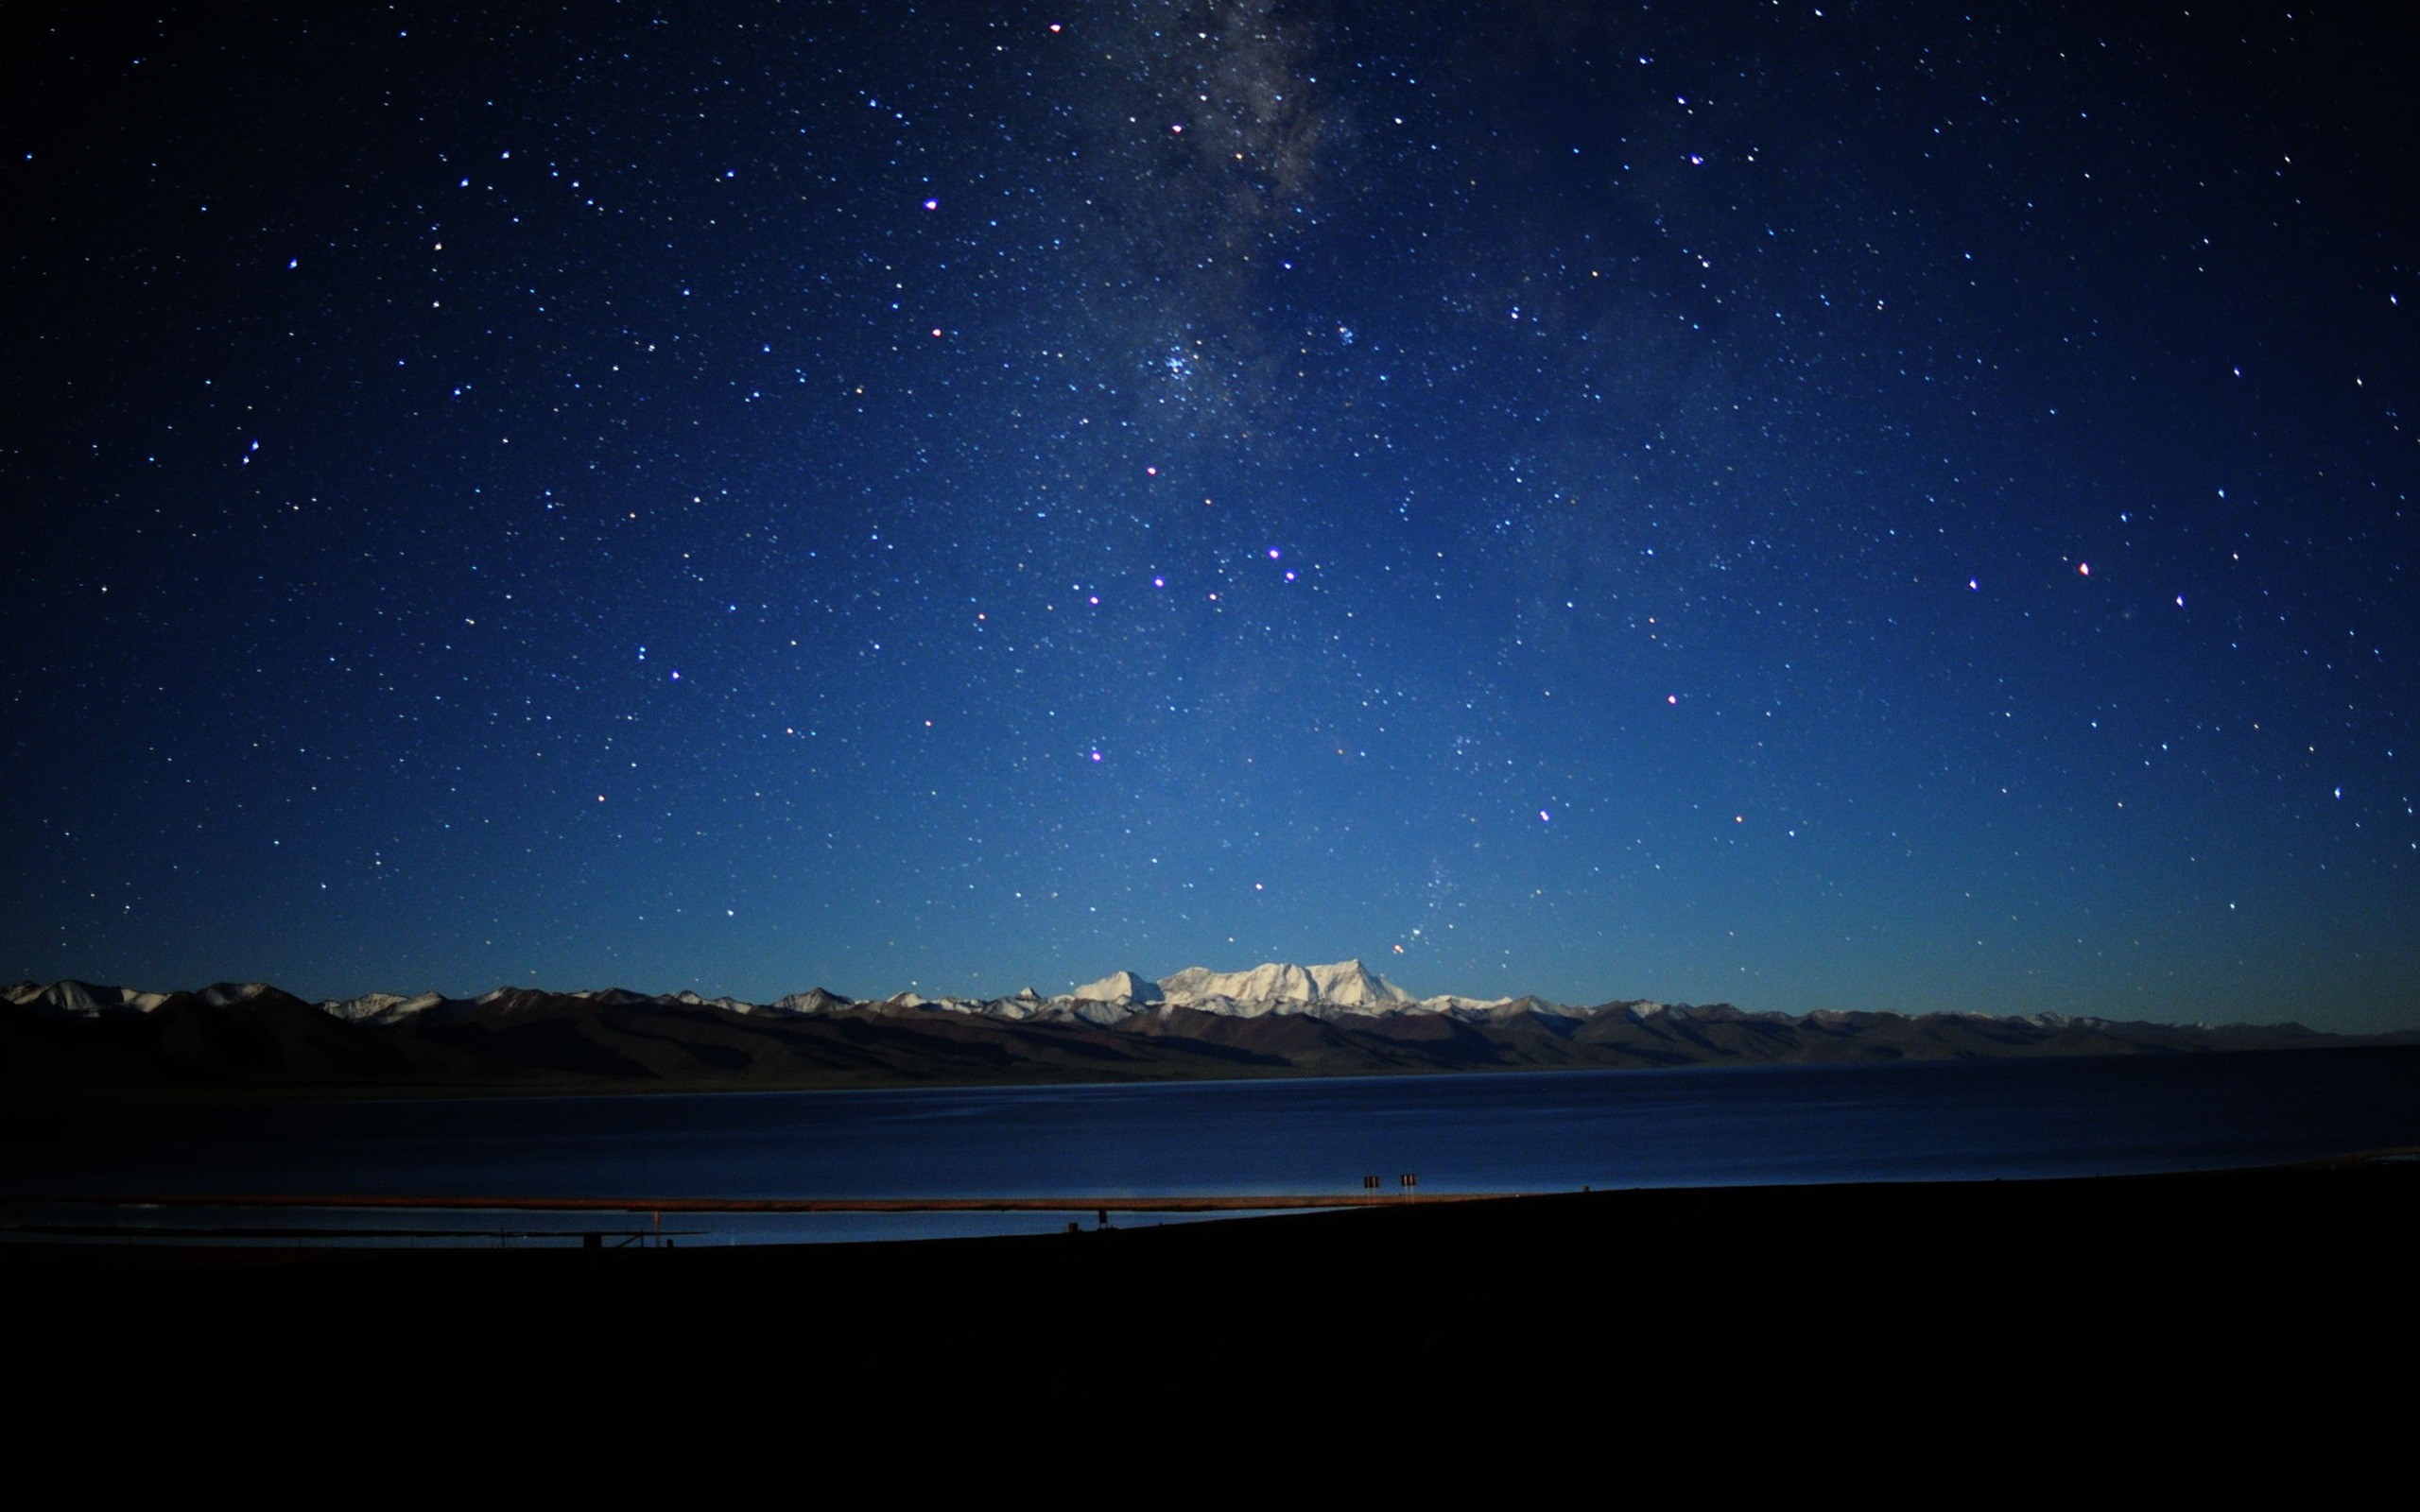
column 1856, row 508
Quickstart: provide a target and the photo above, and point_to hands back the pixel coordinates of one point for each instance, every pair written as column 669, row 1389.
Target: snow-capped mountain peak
column 1118, row 986
column 1348, row 983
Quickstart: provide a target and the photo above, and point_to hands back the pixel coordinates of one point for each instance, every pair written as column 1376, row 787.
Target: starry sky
column 1812, row 506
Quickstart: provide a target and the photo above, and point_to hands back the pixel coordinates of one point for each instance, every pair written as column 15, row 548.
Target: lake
column 1504, row 1132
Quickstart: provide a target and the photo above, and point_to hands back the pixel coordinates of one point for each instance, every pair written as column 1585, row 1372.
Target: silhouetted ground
column 2168, row 1304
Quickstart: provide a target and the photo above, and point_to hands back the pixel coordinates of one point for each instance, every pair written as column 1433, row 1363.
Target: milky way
column 1841, row 506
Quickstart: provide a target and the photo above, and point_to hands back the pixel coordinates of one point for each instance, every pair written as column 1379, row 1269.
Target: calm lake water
column 1538, row 1132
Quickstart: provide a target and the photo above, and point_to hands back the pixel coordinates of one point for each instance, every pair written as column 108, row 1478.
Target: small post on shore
column 1410, row 1182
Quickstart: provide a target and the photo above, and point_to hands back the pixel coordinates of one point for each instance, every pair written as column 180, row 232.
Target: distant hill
column 74, row 1039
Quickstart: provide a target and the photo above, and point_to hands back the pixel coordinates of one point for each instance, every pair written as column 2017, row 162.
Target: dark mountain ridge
column 74, row 1040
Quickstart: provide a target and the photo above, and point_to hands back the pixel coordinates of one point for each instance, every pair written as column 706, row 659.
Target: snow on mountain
column 1449, row 1003
column 223, row 995
column 380, row 1007
column 1496, row 1010
column 1118, row 986
column 83, row 999
column 1348, row 987
column 1355, row 985
column 1343, row 992
column 813, row 1000
column 1262, row 983
column 1342, row 987
column 1348, row 983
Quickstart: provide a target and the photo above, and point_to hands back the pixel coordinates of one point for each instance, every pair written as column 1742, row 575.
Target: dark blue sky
column 1841, row 506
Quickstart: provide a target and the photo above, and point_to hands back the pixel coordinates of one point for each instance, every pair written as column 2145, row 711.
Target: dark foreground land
column 2262, row 1299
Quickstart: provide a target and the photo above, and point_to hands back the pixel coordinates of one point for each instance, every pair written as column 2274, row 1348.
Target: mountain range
column 73, row 1039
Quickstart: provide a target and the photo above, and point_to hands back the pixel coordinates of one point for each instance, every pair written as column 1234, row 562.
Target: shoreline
column 2189, row 1285
column 1116, row 1203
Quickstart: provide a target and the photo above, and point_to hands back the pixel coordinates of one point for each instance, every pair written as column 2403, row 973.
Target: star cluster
column 1817, row 506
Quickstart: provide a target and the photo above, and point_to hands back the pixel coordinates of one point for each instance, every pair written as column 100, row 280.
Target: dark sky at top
column 1812, row 506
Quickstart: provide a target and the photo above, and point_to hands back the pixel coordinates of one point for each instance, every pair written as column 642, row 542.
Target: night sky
column 1838, row 507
